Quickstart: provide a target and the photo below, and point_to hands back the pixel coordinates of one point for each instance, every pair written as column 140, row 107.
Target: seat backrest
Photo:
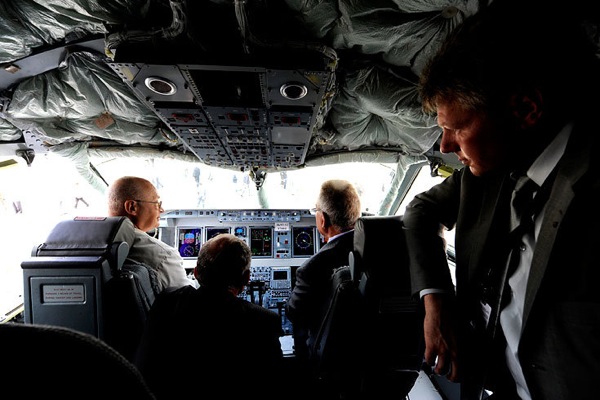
column 80, row 278
column 335, row 358
column 379, row 265
column 370, row 341
column 127, row 298
column 52, row 362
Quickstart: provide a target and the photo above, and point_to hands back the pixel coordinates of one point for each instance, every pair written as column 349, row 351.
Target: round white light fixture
column 293, row 91
column 160, row 86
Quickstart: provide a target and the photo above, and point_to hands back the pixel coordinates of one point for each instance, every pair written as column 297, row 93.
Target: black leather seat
column 379, row 265
column 52, row 362
column 80, row 278
column 337, row 355
column 371, row 339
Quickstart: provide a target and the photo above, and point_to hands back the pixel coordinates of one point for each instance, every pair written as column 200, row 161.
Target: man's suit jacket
column 560, row 343
column 196, row 339
column 313, row 282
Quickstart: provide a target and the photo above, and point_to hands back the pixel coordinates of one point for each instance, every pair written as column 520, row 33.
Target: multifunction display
column 261, row 242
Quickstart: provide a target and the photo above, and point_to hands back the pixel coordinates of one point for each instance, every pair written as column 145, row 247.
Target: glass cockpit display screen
column 261, row 242
column 190, row 240
column 212, row 232
column 303, row 241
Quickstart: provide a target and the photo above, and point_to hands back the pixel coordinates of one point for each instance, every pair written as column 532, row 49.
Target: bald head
column 137, row 199
column 126, row 188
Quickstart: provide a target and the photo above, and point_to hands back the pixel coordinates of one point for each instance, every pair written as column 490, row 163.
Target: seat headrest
column 380, row 249
column 85, row 236
column 34, row 344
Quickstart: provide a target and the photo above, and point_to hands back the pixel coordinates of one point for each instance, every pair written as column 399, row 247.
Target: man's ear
column 130, row 207
column 246, row 277
column 325, row 219
column 527, row 108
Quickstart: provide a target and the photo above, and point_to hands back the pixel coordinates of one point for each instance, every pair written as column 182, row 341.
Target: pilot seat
column 80, row 278
column 371, row 339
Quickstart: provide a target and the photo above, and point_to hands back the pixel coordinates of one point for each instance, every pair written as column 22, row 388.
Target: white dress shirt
column 511, row 317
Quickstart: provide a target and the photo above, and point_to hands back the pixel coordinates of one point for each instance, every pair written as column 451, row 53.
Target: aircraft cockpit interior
column 80, row 278
column 280, row 241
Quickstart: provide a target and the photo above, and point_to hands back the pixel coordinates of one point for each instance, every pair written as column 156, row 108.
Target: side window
column 423, row 182
column 32, row 200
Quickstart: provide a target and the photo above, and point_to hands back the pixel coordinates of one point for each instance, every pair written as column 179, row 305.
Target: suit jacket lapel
column 571, row 167
column 472, row 247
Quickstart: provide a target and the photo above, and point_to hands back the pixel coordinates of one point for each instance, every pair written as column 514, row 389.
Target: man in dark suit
column 508, row 88
column 196, row 339
column 337, row 209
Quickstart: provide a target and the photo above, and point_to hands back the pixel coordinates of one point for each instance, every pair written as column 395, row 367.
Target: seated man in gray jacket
column 138, row 200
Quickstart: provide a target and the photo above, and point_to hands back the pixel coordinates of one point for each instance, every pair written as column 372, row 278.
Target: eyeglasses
column 158, row 203
column 314, row 210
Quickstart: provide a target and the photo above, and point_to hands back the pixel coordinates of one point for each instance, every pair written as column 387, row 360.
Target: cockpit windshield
column 35, row 197
column 183, row 185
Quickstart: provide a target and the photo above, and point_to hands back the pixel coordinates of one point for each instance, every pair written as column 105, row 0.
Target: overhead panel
column 233, row 116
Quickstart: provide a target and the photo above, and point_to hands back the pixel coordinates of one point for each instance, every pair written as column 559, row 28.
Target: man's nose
column 447, row 143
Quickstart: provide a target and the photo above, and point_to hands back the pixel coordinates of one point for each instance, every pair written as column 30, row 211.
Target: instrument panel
column 280, row 241
column 271, row 234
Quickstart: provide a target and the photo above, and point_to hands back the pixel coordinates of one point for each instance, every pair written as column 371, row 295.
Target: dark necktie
column 522, row 222
column 522, row 215
column 523, row 207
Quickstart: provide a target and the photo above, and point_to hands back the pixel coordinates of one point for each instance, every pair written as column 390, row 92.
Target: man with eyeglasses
column 337, row 210
column 138, row 200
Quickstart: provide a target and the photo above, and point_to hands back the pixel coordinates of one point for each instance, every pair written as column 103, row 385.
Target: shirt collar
column 545, row 163
column 338, row 235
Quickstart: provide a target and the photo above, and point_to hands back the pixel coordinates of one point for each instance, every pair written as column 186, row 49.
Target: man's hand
column 440, row 339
